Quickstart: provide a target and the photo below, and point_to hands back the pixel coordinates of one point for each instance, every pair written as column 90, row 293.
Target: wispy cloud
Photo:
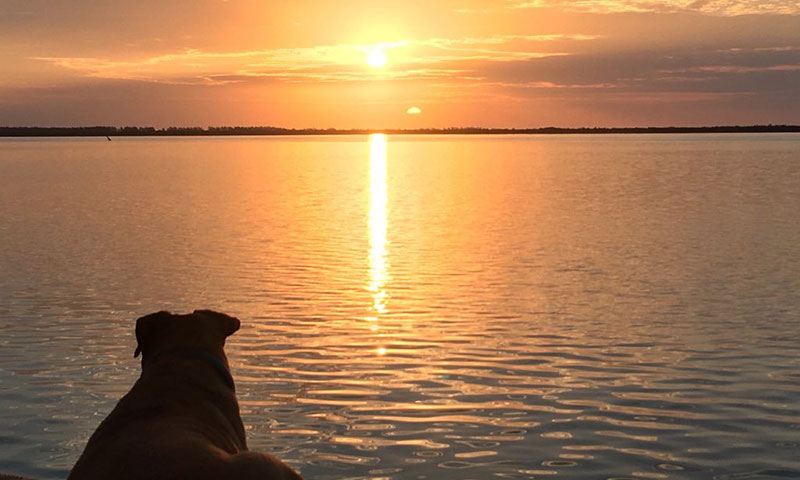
column 413, row 59
column 502, row 61
column 713, row 7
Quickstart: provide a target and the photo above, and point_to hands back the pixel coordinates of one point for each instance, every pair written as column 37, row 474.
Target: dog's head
column 201, row 329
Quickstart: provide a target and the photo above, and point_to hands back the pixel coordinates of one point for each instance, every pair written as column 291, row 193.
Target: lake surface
column 460, row 307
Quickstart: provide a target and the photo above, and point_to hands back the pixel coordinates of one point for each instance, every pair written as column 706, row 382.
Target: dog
column 180, row 420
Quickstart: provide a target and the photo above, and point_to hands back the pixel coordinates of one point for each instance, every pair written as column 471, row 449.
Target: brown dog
column 181, row 418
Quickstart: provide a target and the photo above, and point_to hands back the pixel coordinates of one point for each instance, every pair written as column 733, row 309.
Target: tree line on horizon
column 100, row 131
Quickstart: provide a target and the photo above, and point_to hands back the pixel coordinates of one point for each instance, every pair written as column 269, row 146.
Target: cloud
column 712, row 7
column 737, row 71
column 500, row 68
column 198, row 65
column 413, row 59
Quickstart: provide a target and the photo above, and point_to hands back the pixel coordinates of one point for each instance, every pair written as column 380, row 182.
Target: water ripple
column 418, row 308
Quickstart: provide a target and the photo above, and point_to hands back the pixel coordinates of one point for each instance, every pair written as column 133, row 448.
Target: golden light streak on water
column 378, row 265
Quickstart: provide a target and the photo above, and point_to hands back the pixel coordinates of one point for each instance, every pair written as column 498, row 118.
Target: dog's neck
column 196, row 354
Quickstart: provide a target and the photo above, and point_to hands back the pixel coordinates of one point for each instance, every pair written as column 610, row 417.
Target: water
column 421, row 307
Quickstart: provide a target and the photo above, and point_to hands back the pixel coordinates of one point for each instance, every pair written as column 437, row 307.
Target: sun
column 376, row 58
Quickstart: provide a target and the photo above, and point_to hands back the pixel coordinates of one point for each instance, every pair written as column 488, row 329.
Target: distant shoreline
column 104, row 131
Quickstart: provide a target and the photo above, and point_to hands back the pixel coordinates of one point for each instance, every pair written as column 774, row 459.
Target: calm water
column 421, row 307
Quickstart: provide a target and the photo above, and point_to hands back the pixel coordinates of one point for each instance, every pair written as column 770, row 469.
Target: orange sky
column 493, row 63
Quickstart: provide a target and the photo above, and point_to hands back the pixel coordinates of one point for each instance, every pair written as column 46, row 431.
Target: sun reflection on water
column 378, row 265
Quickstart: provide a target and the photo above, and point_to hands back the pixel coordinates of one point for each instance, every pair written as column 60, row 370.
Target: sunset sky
column 399, row 64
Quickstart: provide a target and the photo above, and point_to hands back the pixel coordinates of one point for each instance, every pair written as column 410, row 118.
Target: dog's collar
column 200, row 354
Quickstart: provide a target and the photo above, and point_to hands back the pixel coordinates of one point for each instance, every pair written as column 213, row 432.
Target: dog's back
column 181, row 418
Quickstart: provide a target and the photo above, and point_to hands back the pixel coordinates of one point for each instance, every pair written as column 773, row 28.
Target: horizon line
column 106, row 130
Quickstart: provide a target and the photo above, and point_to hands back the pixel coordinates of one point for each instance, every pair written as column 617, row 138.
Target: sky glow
column 359, row 64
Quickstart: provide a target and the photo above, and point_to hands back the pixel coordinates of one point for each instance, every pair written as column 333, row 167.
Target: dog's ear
column 225, row 324
column 146, row 328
